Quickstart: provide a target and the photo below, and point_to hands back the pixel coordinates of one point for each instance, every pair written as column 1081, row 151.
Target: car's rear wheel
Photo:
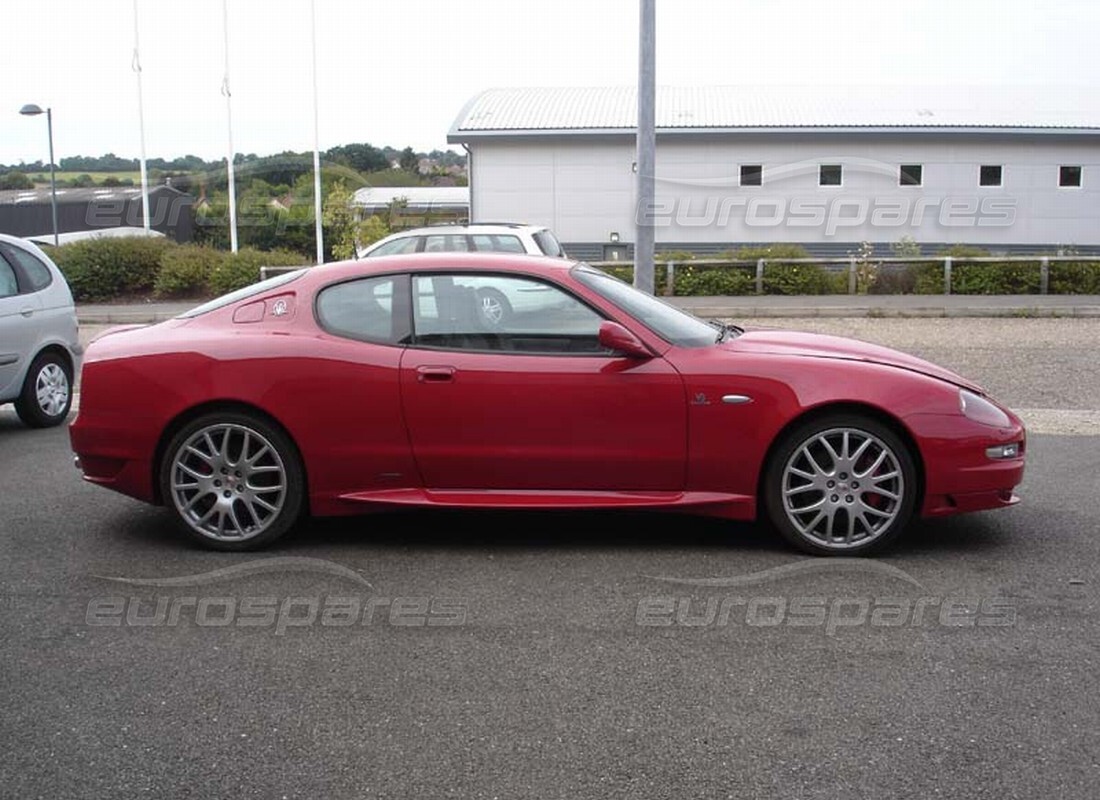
column 233, row 481
column 47, row 394
column 493, row 307
column 843, row 484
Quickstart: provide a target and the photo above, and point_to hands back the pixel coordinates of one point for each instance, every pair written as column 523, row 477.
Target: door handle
column 435, row 374
column 27, row 312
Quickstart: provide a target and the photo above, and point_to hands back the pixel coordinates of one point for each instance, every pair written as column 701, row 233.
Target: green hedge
column 186, row 271
column 103, row 269
column 1076, row 277
column 106, row 269
column 109, row 269
column 237, row 270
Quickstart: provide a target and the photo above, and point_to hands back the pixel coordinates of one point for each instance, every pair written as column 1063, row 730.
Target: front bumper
column 960, row 476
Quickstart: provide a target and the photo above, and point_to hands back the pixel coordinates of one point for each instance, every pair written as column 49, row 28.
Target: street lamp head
column 31, row 110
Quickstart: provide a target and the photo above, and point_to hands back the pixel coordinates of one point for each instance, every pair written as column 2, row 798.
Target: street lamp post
column 31, row 110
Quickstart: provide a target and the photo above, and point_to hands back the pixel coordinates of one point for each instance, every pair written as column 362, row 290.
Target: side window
column 548, row 244
column 37, row 273
column 9, row 286
column 362, row 309
column 501, row 312
column 495, row 243
column 397, row 247
column 448, row 243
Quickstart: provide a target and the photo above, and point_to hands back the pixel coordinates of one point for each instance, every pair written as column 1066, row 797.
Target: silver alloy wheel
column 228, row 482
column 843, row 488
column 492, row 309
column 51, row 389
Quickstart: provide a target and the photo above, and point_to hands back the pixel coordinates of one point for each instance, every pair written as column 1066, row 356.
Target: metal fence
column 851, row 265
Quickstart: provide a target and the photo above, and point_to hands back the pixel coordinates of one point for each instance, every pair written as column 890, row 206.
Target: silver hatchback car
column 39, row 342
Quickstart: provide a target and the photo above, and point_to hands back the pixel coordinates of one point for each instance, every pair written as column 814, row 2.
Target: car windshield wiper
column 726, row 331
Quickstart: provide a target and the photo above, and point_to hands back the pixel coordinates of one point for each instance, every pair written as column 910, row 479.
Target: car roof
column 435, row 262
column 473, row 227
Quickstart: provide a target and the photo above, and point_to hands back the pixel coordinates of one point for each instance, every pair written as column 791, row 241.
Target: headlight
column 981, row 410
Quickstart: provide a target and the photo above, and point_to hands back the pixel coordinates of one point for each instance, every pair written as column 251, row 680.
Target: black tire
column 493, row 308
column 50, row 369
column 253, row 478
column 868, row 495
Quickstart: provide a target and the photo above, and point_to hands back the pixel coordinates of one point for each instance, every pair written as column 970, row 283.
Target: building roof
column 416, row 196
column 96, row 194
column 124, row 232
column 743, row 108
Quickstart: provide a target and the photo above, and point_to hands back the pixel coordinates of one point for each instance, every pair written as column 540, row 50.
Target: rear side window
column 37, row 274
column 548, row 243
column 362, row 309
column 9, row 286
column 497, row 243
column 449, row 243
column 397, row 247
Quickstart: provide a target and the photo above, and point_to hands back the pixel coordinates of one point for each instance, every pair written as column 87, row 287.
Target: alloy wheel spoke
column 813, row 462
column 877, row 463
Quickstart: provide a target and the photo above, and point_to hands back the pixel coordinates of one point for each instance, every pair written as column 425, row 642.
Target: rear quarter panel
column 337, row 399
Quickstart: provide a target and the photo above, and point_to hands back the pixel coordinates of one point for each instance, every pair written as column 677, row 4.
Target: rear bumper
column 107, row 456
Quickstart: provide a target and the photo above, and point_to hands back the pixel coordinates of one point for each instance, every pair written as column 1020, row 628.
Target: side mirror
column 615, row 337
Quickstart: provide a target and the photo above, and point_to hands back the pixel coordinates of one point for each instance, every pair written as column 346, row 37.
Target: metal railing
column 851, row 264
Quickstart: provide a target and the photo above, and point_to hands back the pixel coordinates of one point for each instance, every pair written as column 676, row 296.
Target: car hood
column 816, row 345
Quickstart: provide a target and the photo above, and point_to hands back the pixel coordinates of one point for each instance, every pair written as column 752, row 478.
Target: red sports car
column 492, row 381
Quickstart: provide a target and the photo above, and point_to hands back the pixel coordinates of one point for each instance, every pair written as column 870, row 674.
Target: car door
column 530, row 400
column 19, row 330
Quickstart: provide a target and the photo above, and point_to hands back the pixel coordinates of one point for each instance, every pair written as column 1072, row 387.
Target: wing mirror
column 615, row 337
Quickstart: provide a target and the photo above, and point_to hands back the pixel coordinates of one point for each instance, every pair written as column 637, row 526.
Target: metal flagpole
column 136, row 66
column 229, row 126
column 317, row 199
column 647, row 147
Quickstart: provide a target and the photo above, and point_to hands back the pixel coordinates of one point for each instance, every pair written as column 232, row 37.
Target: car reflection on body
column 379, row 384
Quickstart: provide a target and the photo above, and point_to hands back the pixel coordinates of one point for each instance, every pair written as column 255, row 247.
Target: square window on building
column 1069, row 176
column 829, row 175
column 752, row 174
column 989, row 175
column 911, row 175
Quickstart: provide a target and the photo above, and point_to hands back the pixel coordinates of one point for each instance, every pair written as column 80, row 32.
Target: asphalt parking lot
column 533, row 655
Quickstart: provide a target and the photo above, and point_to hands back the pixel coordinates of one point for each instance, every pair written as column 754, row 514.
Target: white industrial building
column 1010, row 170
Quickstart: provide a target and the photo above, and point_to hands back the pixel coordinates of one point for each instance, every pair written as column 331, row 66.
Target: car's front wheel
column 841, row 485
column 47, row 392
column 233, row 481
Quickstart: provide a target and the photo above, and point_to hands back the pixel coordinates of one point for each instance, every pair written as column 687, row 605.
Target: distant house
column 29, row 213
column 413, row 206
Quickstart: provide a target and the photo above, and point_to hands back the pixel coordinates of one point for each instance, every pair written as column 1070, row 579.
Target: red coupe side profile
column 486, row 380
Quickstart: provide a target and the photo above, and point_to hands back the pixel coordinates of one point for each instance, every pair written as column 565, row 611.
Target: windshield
column 242, row 294
column 670, row 323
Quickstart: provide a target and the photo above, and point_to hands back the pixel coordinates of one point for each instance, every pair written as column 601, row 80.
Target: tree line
column 282, row 167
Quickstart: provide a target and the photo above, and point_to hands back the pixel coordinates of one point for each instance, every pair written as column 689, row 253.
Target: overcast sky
column 398, row 73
